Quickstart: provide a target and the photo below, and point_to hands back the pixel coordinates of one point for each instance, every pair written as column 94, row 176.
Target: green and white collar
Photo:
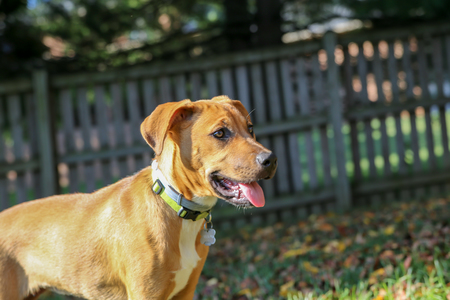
column 185, row 208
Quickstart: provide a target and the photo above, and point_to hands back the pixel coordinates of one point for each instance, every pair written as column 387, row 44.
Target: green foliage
column 100, row 34
column 113, row 33
column 20, row 42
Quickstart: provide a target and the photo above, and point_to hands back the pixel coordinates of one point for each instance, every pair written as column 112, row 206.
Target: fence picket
column 438, row 66
column 348, row 78
column 415, row 142
column 86, row 129
column 430, row 140
column 17, row 135
column 393, row 73
column 242, row 87
column 134, row 121
column 319, row 96
column 149, row 97
column 275, row 112
column 44, row 112
column 292, row 139
column 305, row 108
column 342, row 187
column 423, row 73
column 196, row 86
column 101, row 113
column 444, row 136
column 180, row 88
column 406, row 63
column 118, row 121
column 385, row 147
column 30, row 107
column 211, row 81
column 362, row 73
column 226, row 81
column 4, row 197
column 65, row 99
column 378, row 73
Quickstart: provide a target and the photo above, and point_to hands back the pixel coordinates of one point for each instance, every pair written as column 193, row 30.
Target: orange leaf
column 325, row 227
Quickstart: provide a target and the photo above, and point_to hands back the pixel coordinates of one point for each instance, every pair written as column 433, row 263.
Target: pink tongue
column 254, row 193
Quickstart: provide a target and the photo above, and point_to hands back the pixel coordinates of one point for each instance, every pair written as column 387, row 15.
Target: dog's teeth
column 220, row 177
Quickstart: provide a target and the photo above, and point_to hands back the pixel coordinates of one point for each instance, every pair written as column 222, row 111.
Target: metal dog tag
column 207, row 237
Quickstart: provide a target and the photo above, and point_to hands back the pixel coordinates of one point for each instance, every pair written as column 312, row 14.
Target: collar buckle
column 157, row 187
column 188, row 214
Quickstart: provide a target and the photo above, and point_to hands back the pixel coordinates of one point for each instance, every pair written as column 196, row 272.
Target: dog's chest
column 189, row 256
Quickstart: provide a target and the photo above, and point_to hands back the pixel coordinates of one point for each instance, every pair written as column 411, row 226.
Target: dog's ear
column 155, row 127
column 220, row 98
column 240, row 107
column 236, row 103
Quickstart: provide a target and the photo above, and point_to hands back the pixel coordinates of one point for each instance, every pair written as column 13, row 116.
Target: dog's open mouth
column 238, row 193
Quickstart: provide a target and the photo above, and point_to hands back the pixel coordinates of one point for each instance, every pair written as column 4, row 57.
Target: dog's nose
column 268, row 161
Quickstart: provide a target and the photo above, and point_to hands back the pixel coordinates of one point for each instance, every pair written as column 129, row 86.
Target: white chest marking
column 189, row 257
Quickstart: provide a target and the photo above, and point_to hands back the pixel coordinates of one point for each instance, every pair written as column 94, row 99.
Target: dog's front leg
column 157, row 287
column 188, row 292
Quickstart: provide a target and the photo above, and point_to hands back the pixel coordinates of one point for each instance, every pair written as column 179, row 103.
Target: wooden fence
column 354, row 119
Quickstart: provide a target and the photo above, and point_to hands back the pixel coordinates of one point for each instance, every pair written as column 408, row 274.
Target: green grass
column 364, row 254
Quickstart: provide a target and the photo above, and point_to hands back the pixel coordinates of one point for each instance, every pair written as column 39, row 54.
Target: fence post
column 46, row 148
column 342, row 185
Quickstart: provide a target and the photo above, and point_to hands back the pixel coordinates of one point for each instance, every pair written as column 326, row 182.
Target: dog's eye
column 250, row 129
column 219, row 133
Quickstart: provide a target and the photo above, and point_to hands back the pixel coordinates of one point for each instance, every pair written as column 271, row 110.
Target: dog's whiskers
column 250, row 113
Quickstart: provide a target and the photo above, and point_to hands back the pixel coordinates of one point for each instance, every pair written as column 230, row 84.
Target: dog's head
column 212, row 149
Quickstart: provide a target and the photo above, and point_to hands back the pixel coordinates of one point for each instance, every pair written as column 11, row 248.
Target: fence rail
column 354, row 119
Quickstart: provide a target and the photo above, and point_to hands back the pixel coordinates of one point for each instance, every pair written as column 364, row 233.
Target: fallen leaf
column 286, row 288
column 375, row 275
column 212, row 281
column 398, row 218
column 296, row 252
column 309, row 267
column 351, row 261
column 246, row 292
column 389, row 230
column 387, row 254
column 373, row 233
column 334, row 246
column 325, row 227
column 369, row 214
column 308, row 238
column 407, row 262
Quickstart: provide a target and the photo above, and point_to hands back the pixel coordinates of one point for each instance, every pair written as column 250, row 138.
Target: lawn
column 399, row 251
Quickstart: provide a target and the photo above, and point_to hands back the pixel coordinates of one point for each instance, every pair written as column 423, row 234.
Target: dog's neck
column 179, row 177
column 166, row 176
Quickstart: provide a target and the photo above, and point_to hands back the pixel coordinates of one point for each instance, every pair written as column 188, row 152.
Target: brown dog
column 139, row 238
